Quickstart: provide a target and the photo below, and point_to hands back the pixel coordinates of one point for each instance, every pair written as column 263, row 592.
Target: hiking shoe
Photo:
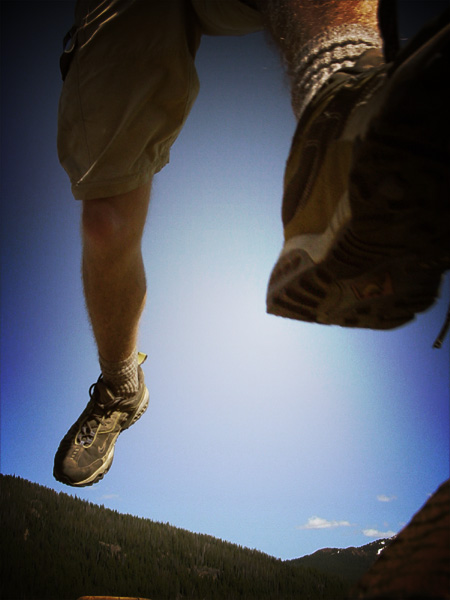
column 366, row 206
column 86, row 452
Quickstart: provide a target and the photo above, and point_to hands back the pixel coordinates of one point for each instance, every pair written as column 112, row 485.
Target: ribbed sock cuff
column 121, row 377
column 326, row 53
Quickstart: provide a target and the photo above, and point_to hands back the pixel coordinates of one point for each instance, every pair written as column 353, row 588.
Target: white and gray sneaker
column 86, row 452
column 366, row 205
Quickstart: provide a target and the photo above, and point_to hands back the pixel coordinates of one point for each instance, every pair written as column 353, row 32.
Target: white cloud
column 383, row 498
column 319, row 523
column 374, row 533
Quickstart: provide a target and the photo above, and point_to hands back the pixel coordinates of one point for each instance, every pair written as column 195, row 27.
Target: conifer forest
column 55, row 546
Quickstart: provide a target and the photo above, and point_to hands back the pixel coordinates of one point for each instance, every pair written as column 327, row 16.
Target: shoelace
column 444, row 330
column 100, row 410
column 388, row 21
column 86, row 435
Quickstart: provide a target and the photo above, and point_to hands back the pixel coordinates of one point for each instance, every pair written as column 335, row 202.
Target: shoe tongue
column 105, row 395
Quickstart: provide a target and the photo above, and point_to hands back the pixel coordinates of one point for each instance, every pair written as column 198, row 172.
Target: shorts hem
column 106, row 189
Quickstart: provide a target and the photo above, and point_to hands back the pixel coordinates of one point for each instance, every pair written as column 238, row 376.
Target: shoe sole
column 381, row 260
column 104, row 468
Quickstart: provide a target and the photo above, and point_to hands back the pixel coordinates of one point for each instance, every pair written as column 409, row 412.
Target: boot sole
column 382, row 259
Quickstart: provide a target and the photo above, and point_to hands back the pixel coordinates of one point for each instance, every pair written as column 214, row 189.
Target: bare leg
column 113, row 271
column 115, row 290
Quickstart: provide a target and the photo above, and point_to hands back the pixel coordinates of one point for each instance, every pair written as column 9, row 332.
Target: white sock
column 121, row 377
column 326, row 53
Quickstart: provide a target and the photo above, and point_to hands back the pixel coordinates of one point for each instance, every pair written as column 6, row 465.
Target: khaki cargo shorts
column 129, row 83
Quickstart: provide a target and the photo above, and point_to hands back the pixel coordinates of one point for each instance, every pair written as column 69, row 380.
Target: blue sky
column 272, row 434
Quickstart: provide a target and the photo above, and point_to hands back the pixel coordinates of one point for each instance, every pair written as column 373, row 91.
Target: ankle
column 333, row 49
column 122, row 376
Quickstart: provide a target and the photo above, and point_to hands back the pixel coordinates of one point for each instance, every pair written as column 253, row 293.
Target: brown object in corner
column 417, row 563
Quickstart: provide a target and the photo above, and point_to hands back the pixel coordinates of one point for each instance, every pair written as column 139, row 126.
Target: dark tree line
column 55, row 546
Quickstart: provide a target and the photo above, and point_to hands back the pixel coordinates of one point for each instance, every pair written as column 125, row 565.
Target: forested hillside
column 55, row 546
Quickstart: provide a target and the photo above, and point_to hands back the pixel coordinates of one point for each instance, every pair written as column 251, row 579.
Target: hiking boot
column 366, row 206
column 86, row 452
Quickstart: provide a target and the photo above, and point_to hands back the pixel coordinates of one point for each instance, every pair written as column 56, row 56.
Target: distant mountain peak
column 349, row 563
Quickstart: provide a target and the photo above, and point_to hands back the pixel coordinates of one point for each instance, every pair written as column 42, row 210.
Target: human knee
column 108, row 230
column 101, row 222
column 115, row 221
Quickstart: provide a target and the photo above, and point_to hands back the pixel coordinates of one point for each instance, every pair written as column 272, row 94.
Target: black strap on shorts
column 69, row 44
